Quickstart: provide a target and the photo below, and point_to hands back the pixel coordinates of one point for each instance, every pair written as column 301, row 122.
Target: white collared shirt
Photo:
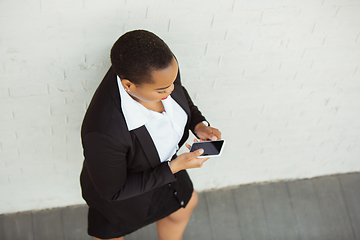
column 166, row 128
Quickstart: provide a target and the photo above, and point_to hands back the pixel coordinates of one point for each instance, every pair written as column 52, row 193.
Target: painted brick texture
column 280, row 79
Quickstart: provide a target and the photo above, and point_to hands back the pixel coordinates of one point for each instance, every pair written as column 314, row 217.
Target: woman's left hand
column 206, row 133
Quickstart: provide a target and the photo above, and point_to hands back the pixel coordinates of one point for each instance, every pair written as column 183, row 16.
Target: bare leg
column 120, row 238
column 173, row 226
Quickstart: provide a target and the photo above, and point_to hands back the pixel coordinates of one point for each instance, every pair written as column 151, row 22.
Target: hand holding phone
column 211, row 148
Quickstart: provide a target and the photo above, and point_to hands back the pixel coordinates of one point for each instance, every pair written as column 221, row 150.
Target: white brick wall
column 280, row 79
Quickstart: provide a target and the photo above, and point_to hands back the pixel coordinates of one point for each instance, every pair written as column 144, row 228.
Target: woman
column 137, row 119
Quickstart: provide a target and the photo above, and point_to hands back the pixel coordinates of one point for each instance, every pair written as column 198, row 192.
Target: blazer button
column 175, row 193
column 169, row 184
column 182, row 203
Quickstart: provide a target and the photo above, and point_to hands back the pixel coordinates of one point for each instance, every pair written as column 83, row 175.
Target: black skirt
column 166, row 200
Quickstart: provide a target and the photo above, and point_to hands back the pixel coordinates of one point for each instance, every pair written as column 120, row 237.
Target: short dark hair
column 137, row 53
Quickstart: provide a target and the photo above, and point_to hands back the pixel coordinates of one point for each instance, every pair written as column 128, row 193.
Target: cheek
column 154, row 97
column 149, row 97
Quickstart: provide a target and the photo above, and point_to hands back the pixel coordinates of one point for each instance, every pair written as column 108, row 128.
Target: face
column 159, row 89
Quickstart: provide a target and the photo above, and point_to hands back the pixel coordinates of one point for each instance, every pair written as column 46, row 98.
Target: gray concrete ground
column 320, row 208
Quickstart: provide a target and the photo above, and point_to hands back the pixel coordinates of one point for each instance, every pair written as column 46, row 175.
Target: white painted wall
column 280, row 79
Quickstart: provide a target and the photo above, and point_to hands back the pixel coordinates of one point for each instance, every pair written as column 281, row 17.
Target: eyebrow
column 163, row 88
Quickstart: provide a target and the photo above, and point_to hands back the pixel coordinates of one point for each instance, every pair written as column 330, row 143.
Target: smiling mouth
column 164, row 98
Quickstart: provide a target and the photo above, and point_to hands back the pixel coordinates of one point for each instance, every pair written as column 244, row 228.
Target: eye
column 161, row 92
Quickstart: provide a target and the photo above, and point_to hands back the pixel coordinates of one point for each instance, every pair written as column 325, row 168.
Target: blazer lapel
column 178, row 95
column 144, row 137
column 180, row 98
column 147, row 145
column 141, row 133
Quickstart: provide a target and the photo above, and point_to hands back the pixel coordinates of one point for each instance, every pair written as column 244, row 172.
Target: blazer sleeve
column 106, row 165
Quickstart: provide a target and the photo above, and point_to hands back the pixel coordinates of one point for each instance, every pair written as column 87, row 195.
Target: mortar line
column 237, row 214
column 208, row 215
column 346, row 206
column 293, row 210
column 265, row 213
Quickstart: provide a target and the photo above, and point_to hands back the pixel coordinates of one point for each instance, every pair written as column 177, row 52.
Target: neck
column 154, row 106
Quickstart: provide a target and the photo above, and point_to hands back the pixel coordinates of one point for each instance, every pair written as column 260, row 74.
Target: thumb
column 198, row 152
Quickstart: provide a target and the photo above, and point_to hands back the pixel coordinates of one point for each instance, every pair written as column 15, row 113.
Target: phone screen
column 210, row 147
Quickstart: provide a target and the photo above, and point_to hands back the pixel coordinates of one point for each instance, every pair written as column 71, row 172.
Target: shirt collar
column 134, row 113
column 174, row 112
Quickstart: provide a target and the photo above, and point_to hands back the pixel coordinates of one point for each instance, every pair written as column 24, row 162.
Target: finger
column 195, row 140
column 216, row 133
column 205, row 133
column 209, row 134
column 198, row 152
column 188, row 146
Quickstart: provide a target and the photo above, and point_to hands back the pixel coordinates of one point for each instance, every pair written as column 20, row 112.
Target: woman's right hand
column 187, row 160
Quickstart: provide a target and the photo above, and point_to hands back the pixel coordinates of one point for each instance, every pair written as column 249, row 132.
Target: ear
column 127, row 84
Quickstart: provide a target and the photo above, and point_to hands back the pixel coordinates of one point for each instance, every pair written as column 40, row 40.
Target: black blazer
column 122, row 168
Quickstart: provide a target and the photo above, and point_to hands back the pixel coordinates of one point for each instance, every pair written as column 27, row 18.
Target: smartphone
column 211, row 148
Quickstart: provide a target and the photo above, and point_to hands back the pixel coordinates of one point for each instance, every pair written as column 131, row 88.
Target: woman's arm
column 202, row 131
column 105, row 160
column 106, row 165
